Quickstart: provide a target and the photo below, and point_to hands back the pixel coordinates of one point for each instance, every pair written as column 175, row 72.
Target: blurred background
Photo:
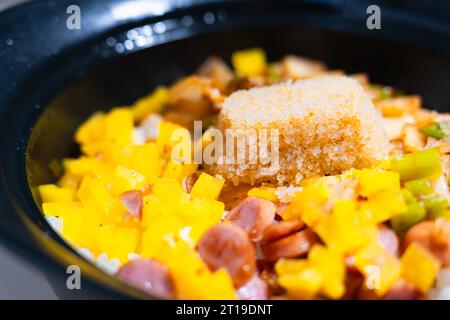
column 19, row 280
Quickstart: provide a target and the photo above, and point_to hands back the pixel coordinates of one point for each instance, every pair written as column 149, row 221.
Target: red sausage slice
column 281, row 229
column 227, row 246
column 253, row 215
column 296, row 245
column 132, row 200
column 148, row 275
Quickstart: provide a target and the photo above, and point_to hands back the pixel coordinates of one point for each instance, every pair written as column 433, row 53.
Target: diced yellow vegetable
column 250, row 62
column 380, row 268
column 73, row 220
column 90, row 135
column 194, row 280
column 158, row 232
column 53, row 193
column 386, row 204
column 419, row 267
column 303, row 285
column 375, row 180
column 143, row 159
column 119, row 243
column 178, row 171
column 323, row 272
column 330, row 264
column 125, row 179
column 153, row 103
column 207, row 186
column 60, row 208
column 308, row 203
column 164, row 140
column 69, row 181
column 346, row 229
column 267, row 193
column 84, row 166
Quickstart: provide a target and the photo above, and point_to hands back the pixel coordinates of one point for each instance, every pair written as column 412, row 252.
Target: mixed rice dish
column 349, row 201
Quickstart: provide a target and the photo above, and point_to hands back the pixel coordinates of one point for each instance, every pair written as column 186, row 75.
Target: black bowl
column 52, row 78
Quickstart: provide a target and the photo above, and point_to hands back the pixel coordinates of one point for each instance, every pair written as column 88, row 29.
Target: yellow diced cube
column 53, row 193
column 123, row 242
column 302, row 285
column 73, row 220
column 59, row 208
column 170, row 190
column 143, row 159
column 267, row 193
column 207, row 187
column 375, row 180
column 119, row 127
column 386, row 204
column 331, row 265
column 69, row 181
column 380, row 268
column 419, row 267
column 178, row 170
column 153, row 103
column 250, row 62
column 91, row 134
column 84, row 166
column 157, row 234
column 125, row 179
column 165, row 141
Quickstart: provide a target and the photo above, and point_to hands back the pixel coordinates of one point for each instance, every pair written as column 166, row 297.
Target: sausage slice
column 296, row 245
column 151, row 276
column 253, row 215
column 281, row 229
column 227, row 246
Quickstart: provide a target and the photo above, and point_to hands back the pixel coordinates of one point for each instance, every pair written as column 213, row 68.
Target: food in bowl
column 280, row 180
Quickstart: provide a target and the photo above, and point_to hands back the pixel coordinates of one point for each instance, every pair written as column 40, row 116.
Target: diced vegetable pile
column 374, row 233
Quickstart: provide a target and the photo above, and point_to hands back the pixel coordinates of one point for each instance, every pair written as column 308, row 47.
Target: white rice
column 441, row 291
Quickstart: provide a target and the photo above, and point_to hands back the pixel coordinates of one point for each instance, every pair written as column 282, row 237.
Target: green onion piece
column 442, row 215
column 435, row 204
column 385, row 92
column 418, row 165
column 419, row 187
column 414, row 214
column 433, row 130
column 407, row 196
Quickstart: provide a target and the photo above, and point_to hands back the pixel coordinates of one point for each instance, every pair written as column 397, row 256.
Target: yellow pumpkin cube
column 375, row 180
column 152, row 103
column 53, row 193
column 249, row 62
column 59, row 208
column 125, row 179
column 419, row 267
column 207, row 186
column 267, row 193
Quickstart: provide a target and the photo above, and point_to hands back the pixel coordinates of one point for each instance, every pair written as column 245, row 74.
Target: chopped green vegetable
column 435, row 204
column 407, row 195
column 414, row 214
column 419, row 187
column 442, row 215
column 433, row 130
column 420, row 164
